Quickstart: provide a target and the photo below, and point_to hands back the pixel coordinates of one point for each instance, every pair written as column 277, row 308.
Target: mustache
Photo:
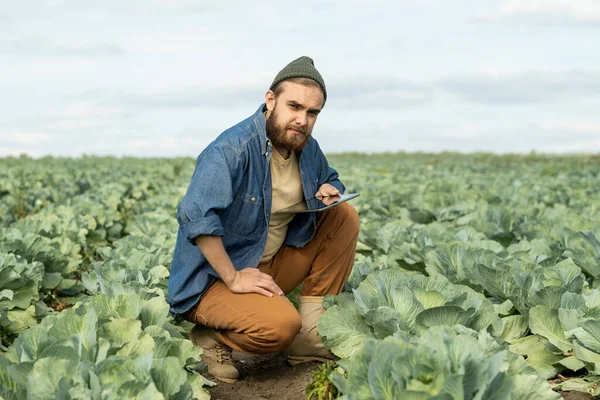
column 301, row 129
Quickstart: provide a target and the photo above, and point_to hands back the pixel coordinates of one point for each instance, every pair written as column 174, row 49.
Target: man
column 237, row 255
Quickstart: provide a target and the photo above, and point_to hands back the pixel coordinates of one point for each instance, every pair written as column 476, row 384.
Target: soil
column 269, row 377
column 576, row 395
column 265, row 377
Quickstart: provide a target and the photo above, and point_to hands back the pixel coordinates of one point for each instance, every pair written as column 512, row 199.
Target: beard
column 278, row 133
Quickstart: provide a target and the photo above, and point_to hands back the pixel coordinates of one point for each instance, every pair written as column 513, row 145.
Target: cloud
column 555, row 136
column 75, row 128
column 145, row 75
column 25, row 9
column 71, row 47
column 190, row 97
column 122, row 142
column 527, row 87
column 89, row 127
column 383, row 93
column 353, row 93
column 357, row 92
column 561, row 136
column 378, row 92
column 548, row 12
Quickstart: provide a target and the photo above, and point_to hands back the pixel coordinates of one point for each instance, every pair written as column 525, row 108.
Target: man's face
column 292, row 116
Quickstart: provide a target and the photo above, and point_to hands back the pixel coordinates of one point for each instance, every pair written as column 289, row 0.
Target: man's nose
column 301, row 119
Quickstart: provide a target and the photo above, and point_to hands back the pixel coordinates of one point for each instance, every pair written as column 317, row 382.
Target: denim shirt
column 230, row 196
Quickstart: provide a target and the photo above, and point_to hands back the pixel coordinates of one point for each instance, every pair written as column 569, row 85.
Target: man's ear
column 270, row 100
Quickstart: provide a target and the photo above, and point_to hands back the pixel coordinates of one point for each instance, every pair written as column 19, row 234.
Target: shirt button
column 267, row 154
column 268, row 142
column 253, row 199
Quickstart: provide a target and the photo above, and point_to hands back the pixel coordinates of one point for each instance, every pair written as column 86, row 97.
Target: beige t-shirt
column 287, row 192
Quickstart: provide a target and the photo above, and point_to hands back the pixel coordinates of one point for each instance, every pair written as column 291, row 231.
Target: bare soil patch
column 576, row 396
column 265, row 378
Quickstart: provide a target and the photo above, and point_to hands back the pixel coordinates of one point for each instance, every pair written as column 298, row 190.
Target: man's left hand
column 326, row 190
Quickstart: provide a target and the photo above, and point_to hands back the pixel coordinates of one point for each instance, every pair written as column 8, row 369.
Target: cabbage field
column 476, row 277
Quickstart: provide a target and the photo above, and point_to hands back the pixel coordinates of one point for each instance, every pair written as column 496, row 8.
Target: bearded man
column 238, row 255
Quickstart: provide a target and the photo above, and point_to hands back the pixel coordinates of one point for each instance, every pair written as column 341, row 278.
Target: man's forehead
column 308, row 96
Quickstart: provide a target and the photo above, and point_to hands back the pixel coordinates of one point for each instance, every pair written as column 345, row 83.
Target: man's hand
column 249, row 280
column 252, row 280
column 326, row 190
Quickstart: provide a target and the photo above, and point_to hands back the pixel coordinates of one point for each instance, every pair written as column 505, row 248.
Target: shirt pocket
column 245, row 218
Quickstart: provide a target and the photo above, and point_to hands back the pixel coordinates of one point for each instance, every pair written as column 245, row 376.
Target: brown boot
column 215, row 355
column 307, row 345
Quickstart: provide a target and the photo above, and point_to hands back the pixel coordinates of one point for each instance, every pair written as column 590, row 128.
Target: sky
column 163, row 78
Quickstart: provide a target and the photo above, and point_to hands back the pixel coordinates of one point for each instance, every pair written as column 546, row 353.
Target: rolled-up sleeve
column 209, row 193
column 328, row 174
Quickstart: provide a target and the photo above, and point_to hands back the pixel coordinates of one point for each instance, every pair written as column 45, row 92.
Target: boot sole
column 295, row 360
column 226, row 380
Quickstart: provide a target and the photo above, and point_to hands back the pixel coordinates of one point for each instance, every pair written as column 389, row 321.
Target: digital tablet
column 325, row 204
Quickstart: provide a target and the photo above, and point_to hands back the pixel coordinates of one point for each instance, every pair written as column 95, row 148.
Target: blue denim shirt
column 230, row 196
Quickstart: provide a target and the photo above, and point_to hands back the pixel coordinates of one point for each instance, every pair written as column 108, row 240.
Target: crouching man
column 237, row 255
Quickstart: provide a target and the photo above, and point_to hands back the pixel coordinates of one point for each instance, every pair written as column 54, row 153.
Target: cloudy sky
column 165, row 77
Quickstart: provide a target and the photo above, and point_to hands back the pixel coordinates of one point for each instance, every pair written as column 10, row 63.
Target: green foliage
column 100, row 255
column 521, row 232
column 107, row 346
column 507, row 246
column 320, row 386
column 443, row 363
column 19, row 286
column 392, row 301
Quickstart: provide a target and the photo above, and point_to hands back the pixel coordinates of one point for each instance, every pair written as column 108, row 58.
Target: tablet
column 326, row 204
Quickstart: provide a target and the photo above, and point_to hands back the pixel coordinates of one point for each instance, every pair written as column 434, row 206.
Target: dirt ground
column 269, row 377
column 265, row 377
column 576, row 396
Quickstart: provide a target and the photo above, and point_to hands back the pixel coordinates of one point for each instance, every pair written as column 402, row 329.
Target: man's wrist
column 229, row 278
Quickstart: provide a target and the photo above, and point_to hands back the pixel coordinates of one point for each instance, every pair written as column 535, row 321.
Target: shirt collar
column 260, row 123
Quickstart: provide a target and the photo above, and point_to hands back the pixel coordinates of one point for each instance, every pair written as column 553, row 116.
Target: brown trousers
column 256, row 324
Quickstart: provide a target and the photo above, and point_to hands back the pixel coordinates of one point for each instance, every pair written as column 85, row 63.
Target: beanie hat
column 303, row 67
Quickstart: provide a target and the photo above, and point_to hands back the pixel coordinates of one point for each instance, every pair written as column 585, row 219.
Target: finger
column 262, row 291
column 330, row 190
column 265, row 275
column 329, row 200
column 327, row 190
column 279, row 291
column 270, row 284
column 321, row 194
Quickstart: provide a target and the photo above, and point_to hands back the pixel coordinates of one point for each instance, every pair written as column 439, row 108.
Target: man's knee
column 350, row 217
column 277, row 333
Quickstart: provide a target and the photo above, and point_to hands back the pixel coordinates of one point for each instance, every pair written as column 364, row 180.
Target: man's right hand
column 248, row 280
column 252, row 280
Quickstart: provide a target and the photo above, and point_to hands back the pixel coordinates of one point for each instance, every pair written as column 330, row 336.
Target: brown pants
column 256, row 324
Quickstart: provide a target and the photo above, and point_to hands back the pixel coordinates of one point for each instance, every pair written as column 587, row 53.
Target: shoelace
column 223, row 354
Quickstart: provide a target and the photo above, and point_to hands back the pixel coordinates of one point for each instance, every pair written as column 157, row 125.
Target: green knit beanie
column 303, row 67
